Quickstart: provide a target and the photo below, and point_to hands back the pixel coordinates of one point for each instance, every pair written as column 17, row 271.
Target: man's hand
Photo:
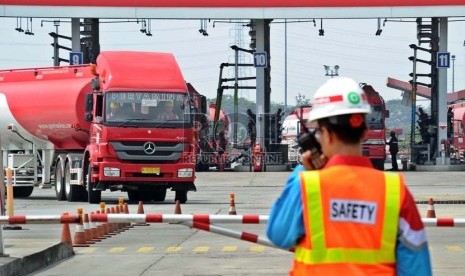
column 313, row 162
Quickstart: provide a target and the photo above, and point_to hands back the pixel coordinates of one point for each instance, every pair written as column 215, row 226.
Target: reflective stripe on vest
column 319, row 254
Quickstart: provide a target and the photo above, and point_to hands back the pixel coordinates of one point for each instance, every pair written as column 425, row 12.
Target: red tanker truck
column 374, row 145
column 122, row 124
column 458, row 137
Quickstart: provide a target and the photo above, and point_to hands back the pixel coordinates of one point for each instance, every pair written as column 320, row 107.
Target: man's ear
column 365, row 133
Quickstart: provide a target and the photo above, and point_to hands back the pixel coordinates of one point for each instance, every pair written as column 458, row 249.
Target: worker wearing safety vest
column 347, row 218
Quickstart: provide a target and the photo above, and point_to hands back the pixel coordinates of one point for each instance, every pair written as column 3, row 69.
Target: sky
column 350, row 43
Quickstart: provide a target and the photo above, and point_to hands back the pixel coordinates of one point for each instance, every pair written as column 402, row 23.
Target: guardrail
column 195, row 219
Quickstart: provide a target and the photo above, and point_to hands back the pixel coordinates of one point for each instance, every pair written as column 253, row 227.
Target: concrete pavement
column 38, row 245
column 32, row 248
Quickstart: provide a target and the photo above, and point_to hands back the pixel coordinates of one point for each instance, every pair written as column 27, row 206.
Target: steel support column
column 262, row 27
column 75, row 35
column 443, row 157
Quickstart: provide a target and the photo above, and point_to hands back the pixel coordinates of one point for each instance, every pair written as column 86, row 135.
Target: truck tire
column 94, row 196
column 73, row 192
column 133, row 196
column 19, row 192
column 59, row 182
column 139, row 195
column 159, row 194
column 181, row 196
column 145, row 195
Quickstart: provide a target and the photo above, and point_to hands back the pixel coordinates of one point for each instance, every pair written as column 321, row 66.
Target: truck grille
column 134, row 151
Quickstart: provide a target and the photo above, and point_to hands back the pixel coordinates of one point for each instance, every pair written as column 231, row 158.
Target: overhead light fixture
column 203, row 27
column 29, row 32
column 379, row 30
column 149, row 28
column 143, row 28
column 19, row 22
column 331, row 72
column 321, row 32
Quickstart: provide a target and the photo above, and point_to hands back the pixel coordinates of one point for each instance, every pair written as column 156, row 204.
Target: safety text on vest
column 353, row 211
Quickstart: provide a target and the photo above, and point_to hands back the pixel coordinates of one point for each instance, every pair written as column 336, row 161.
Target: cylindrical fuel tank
column 459, row 112
column 223, row 122
column 44, row 106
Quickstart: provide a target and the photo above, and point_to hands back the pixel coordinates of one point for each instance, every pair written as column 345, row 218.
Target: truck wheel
column 73, row 192
column 159, row 194
column 22, row 191
column 145, row 195
column 94, row 196
column 181, row 196
column 133, row 196
column 142, row 195
column 59, row 182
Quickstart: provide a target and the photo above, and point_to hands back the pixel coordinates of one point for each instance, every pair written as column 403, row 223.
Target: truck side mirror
column 89, row 102
column 88, row 117
column 387, row 113
column 95, row 84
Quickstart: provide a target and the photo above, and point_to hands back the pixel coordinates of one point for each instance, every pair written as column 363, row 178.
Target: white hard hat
column 339, row 96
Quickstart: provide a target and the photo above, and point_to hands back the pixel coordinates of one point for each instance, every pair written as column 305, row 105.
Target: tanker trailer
column 38, row 108
column 458, row 136
column 99, row 127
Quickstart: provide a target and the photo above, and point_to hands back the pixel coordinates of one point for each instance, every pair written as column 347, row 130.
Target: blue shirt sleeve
column 411, row 262
column 285, row 225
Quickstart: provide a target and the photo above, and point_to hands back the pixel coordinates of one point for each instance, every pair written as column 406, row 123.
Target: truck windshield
column 375, row 120
column 147, row 109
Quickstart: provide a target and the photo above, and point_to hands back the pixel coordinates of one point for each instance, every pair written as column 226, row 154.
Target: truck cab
column 374, row 145
column 141, row 134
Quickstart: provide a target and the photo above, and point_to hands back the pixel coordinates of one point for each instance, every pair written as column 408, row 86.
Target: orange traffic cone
column 87, row 229
column 140, row 208
column 126, row 211
column 140, row 211
column 177, row 208
column 120, row 210
column 95, row 231
column 66, row 234
column 430, row 213
column 99, row 226
column 111, row 226
column 79, row 233
column 105, row 231
column 232, row 205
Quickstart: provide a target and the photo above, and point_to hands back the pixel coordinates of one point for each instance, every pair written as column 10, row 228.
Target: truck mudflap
column 183, row 186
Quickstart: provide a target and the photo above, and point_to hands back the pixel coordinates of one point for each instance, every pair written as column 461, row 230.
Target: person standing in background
column 393, row 149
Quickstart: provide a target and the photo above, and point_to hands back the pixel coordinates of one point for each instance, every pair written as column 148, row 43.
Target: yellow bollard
column 9, row 191
column 102, row 207
column 80, row 212
column 9, row 199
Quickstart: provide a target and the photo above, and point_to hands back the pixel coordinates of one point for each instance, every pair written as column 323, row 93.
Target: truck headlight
column 112, row 172
column 185, row 172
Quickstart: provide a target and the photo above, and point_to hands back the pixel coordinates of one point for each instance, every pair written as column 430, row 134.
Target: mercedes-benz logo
column 149, row 148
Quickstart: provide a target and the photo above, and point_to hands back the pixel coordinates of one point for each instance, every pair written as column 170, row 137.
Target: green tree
column 302, row 100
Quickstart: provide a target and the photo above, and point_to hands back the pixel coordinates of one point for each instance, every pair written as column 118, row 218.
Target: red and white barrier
column 200, row 220
column 444, row 222
column 250, row 237
column 230, row 233
column 175, row 218
column 39, row 219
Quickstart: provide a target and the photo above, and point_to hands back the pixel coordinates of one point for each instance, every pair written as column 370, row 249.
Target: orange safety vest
column 351, row 217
